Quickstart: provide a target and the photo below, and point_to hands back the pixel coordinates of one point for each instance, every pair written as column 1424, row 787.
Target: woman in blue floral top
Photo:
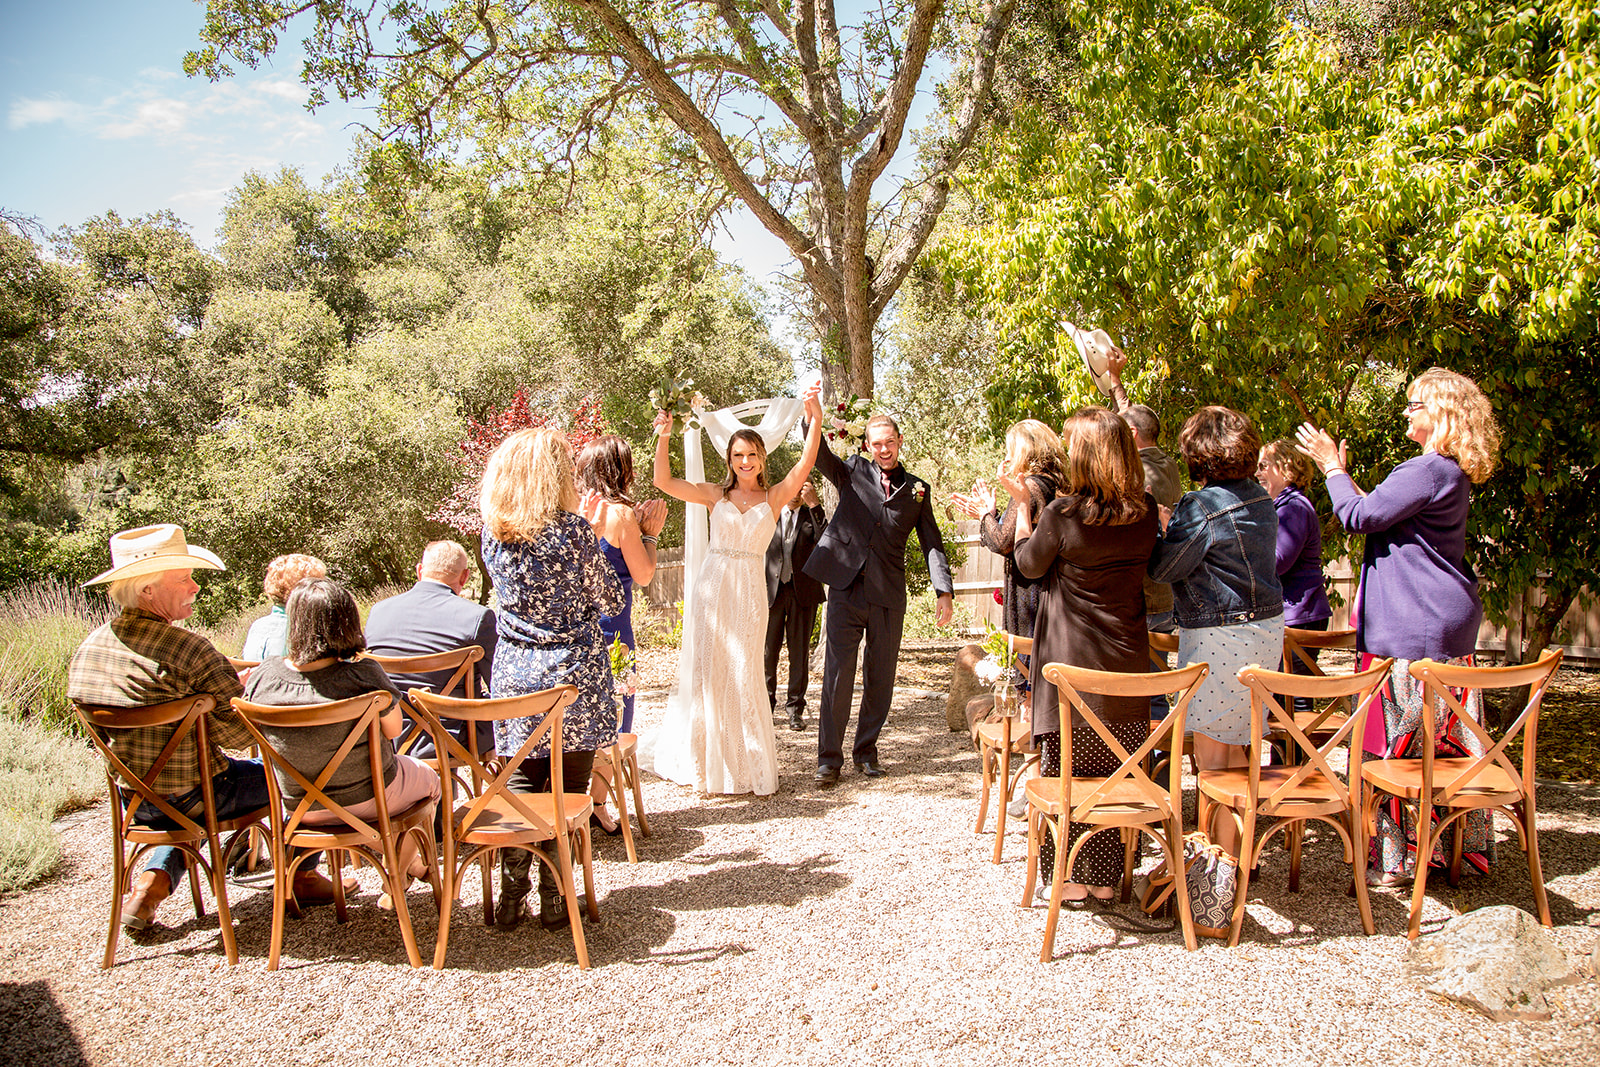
column 554, row 585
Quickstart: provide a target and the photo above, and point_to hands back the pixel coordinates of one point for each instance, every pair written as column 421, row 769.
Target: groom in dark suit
column 862, row 559
column 793, row 598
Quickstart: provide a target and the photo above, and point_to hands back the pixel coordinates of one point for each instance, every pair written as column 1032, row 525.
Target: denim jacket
column 1219, row 553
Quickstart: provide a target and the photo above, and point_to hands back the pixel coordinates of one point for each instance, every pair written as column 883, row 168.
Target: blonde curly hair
column 286, row 572
column 527, row 483
column 1462, row 419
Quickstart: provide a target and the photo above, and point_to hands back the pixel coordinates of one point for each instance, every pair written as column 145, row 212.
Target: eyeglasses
column 1413, row 405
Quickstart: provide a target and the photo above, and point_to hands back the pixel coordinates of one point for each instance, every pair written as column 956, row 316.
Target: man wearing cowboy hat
column 141, row 658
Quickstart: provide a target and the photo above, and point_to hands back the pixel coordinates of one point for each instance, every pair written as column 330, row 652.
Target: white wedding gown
column 717, row 732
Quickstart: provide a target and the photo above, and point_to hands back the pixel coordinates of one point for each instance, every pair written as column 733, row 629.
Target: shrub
column 42, row 775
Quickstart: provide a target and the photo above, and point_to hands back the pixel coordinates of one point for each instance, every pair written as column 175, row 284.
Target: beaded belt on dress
column 736, row 553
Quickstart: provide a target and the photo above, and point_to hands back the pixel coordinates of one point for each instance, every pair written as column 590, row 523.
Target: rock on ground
column 1498, row 960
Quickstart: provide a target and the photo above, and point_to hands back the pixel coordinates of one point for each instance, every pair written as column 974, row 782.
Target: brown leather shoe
column 139, row 911
column 313, row 888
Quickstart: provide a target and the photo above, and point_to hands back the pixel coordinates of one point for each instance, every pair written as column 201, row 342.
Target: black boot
column 514, row 888
column 552, row 905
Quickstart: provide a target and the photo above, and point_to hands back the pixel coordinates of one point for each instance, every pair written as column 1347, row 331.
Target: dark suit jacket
column 867, row 534
column 809, row 523
column 428, row 617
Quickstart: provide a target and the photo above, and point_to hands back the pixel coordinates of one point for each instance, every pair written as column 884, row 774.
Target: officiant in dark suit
column 793, row 598
column 862, row 560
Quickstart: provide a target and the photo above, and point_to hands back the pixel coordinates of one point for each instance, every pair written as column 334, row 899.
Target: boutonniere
column 920, row 492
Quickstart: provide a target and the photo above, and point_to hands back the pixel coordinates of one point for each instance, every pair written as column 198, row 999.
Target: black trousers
column 1305, row 705
column 850, row 618
column 534, row 777
column 789, row 623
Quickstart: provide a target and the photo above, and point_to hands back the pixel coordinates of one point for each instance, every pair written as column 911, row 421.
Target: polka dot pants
column 1099, row 862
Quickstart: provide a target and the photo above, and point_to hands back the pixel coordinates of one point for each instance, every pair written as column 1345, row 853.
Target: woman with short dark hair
column 1218, row 552
column 322, row 665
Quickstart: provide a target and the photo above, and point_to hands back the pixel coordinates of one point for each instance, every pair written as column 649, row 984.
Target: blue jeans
column 1159, row 623
column 239, row 789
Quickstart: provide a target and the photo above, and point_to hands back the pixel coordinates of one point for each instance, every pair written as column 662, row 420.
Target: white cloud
column 289, row 90
column 161, row 118
column 25, row 113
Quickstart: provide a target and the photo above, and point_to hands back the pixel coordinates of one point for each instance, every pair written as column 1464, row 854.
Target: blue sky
column 98, row 116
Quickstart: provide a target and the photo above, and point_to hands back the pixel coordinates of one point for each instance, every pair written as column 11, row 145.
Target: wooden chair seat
column 1312, row 793
column 1403, row 778
column 320, row 838
column 500, row 822
column 1123, row 798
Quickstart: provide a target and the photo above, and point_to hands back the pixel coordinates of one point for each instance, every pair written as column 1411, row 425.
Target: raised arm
column 702, row 493
column 785, row 490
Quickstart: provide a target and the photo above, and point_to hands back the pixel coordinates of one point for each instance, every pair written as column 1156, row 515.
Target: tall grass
column 41, row 625
column 42, row 775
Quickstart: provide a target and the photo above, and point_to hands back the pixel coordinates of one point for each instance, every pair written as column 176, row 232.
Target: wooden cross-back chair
column 461, row 661
column 128, row 790
column 1163, row 645
column 1286, row 797
column 376, row 842
column 1128, row 800
column 1326, row 719
column 997, row 742
column 490, row 817
column 1454, row 787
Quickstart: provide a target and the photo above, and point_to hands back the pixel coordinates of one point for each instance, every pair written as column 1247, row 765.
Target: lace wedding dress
column 717, row 732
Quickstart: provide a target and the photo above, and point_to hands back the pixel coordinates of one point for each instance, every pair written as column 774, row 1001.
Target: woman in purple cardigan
column 1418, row 597
column 1285, row 474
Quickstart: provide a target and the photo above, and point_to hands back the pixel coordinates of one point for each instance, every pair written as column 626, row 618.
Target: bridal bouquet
column 849, row 422
column 679, row 399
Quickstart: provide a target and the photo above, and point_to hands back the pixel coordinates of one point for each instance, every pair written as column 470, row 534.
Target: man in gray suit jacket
column 433, row 616
column 862, row 559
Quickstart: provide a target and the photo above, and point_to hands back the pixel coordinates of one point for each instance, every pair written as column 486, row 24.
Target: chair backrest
column 1072, row 682
column 1296, row 642
column 1161, row 644
column 1022, row 646
column 1445, row 686
column 361, row 713
column 242, row 664
column 460, row 660
column 1359, row 691
column 546, row 706
column 189, row 714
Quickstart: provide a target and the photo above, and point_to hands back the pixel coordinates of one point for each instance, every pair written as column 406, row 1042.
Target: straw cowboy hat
column 153, row 549
column 1094, row 346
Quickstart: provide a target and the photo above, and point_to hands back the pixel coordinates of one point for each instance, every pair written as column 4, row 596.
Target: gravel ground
column 800, row 928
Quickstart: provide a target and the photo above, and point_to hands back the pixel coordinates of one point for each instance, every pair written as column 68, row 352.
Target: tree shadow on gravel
column 33, row 1029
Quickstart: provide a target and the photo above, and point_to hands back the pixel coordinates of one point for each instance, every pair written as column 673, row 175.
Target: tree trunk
column 1535, row 640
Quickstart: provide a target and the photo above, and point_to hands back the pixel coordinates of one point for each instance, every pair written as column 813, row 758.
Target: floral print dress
column 553, row 592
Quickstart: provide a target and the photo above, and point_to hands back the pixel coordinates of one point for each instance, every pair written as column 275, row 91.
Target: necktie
column 888, row 486
column 786, row 572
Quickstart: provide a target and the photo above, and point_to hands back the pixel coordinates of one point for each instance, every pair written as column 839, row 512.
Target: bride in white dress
column 718, row 734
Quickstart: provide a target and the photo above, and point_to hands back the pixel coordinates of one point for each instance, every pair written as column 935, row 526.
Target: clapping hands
column 976, row 504
column 1322, row 449
column 651, row 516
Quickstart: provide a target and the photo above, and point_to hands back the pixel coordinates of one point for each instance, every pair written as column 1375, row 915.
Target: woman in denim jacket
column 1218, row 551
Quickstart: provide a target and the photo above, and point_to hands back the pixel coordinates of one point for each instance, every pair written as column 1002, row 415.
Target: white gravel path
column 864, row 922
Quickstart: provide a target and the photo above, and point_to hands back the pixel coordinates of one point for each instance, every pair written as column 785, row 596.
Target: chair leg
column 1174, row 850
column 1297, row 834
column 1130, row 842
column 451, row 880
column 631, row 764
column 1058, row 880
column 486, row 862
column 219, row 890
column 1004, row 777
column 280, row 899
column 119, row 887
column 621, row 794
column 1248, row 857
column 986, row 758
column 1358, row 867
column 1034, row 819
column 1425, row 843
column 192, row 863
column 1535, row 870
column 1456, row 836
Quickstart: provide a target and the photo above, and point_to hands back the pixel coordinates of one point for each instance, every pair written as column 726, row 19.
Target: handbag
column 1211, row 878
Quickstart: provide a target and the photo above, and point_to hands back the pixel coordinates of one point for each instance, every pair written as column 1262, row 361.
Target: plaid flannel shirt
column 138, row 659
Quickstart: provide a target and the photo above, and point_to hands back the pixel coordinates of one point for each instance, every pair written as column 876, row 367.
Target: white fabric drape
column 778, row 417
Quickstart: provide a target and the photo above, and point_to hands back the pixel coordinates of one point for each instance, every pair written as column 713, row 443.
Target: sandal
column 609, row 831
